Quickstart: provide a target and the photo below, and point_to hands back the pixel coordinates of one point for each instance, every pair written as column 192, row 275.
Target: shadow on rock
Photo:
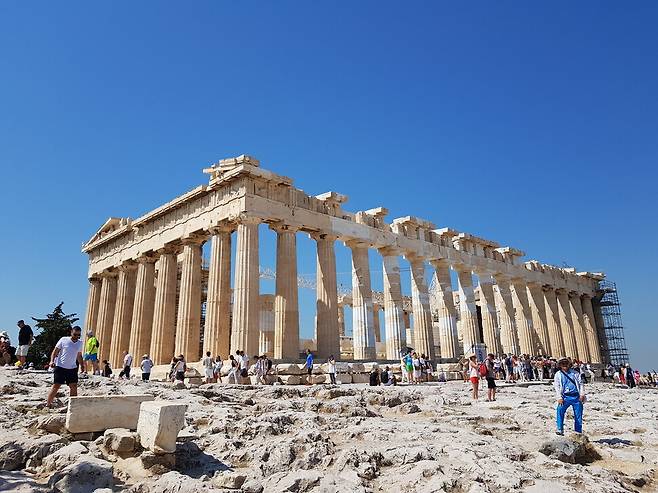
column 194, row 462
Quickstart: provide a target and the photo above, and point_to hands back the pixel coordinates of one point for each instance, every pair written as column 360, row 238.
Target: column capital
column 560, row 291
column 461, row 267
column 280, row 227
column 355, row 244
column 320, row 236
column 112, row 272
column 127, row 266
column 547, row 287
column 147, row 259
column 169, row 249
column 389, row 251
column 95, row 278
column 438, row 263
column 414, row 259
column 244, row 219
column 574, row 294
column 194, row 239
column 586, row 295
column 222, row 227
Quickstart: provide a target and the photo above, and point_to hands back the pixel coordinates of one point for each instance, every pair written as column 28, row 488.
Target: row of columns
column 133, row 311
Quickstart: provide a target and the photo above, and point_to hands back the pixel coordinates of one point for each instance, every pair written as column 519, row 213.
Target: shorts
column 90, row 357
column 491, row 383
column 22, row 350
column 475, row 380
column 180, row 375
column 146, row 377
column 209, row 373
column 65, row 376
column 310, row 370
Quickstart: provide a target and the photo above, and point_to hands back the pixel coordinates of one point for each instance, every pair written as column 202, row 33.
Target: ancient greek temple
column 150, row 291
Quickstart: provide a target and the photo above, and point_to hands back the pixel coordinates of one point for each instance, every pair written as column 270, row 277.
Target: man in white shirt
column 65, row 359
column 208, row 367
column 127, row 363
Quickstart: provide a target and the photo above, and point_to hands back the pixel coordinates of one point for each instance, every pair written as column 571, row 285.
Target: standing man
column 65, row 359
column 309, row 365
column 127, row 363
column 91, row 352
column 25, row 337
column 569, row 391
column 491, row 377
column 146, row 365
column 209, row 367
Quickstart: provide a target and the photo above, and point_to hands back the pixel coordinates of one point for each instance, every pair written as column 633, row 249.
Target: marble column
column 446, row 310
column 164, row 312
column 590, row 329
column 408, row 333
column 188, row 322
column 244, row 328
column 106, row 314
column 376, row 327
column 363, row 336
column 523, row 317
column 341, row 320
column 579, row 326
column 123, row 313
column 142, row 319
column 566, row 324
column 217, row 330
column 600, row 328
column 539, row 321
column 490, row 325
column 423, row 337
column 393, row 313
column 506, row 319
column 553, row 322
column 468, row 319
column 93, row 303
column 327, row 331
column 286, row 305
column 266, row 323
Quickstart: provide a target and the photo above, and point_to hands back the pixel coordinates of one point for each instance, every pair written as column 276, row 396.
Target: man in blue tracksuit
column 569, row 391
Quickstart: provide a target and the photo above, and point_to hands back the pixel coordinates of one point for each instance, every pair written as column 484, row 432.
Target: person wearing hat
column 569, row 392
column 146, row 366
column 25, row 338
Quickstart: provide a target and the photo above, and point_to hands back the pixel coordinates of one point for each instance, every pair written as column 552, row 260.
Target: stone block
column 343, row 378
column 288, row 369
column 357, row 367
column 98, row 413
column 119, row 440
column 159, row 425
column 291, row 379
column 316, row 379
column 360, row 378
column 370, row 366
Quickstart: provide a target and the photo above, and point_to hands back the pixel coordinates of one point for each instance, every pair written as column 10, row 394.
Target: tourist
column 509, row 367
column 217, row 369
column 172, row 366
column 374, row 376
column 233, row 372
column 243, row 361
column 209, row 367
column 474, row 374
column 423, row 367
column 5, row 349
column 629, row 376
column 146, row 365
column 127, row 363
column 65, row 360
column 331, row 362
column 309, row 366
column 491, row 378
column 107, row 369
column 497, row 367
column 179, row 370
column 261, row 370
column 387, row 378
column 569, row 391
column 91, row 352
column 407, row 368
column 417, row 369
column 25, row 338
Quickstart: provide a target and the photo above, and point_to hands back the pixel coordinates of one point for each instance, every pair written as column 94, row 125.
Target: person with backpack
column 179, row 370
column 490, row 375
column 569, row 392
column 474, row 374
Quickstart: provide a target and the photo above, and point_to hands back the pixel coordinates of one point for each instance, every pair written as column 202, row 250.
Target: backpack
column 244, row 373
column 482, row 369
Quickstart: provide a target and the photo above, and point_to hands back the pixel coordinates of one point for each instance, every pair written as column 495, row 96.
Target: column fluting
column 286, row 305
column 490, row 327
column 216, row 336
column 142, row 318
column 123, row 313
column 188, row 322
column 446, row 309
column 468, row 320
column 393, row 314
column 420, row 302
column 164, row 312
column 539, row 320
column 327, row 331
column 363, row 337
column 553, row 322
column 566, row 323
column 523, row 317
column 579, row 326
column 590, row 329
column 506, row 319
column 106, row 314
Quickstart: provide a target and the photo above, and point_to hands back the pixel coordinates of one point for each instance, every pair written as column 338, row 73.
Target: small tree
column 55, row 326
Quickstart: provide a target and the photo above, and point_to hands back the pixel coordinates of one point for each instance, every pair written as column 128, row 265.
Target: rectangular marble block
column 99, row 413
column 159, row 425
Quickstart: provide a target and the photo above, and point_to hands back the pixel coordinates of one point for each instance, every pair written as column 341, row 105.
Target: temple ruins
column 151, row 292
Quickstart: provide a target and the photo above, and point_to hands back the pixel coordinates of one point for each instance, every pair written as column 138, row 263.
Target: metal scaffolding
column 614, row 347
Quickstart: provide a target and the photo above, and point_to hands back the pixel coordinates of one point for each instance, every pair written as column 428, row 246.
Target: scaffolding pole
column 614, row 343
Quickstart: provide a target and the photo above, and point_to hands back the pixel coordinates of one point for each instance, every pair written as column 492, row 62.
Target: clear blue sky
column 533, row 124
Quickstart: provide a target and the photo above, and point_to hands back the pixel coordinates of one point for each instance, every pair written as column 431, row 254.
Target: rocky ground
column 349, row 438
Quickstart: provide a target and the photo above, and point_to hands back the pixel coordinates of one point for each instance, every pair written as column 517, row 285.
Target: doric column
column 188, row 323
column 142, row 319
column 600, row 328
column 217, row 327
column 393, row 314
column 164, row 312
column 286, row 306
column 539, row 322
column 106, row 314
column 553, row 322
column 341, row 320
column 363, row 336
column 266, row 322
column 590, row 329
column 446, row 309
column 408, row 333
column 579, row 326
column 420, row 301
column 523, row 317
column 93, row 303
column 244, row 327
column 375, row 323
column 508, row 335
column 488, row 311
column 566, row 324
column 327, row 332
column 123, row 313
column 468, row 318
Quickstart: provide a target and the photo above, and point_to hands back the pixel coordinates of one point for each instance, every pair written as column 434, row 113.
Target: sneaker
column 560, row 433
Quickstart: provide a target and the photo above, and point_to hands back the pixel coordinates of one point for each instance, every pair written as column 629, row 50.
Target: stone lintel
column 511, row 251
column 447, row 232
column 379, row 212
column 332, row 198
column 414, row 221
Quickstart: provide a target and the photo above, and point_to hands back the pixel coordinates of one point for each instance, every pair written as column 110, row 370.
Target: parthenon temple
column 151, row 292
